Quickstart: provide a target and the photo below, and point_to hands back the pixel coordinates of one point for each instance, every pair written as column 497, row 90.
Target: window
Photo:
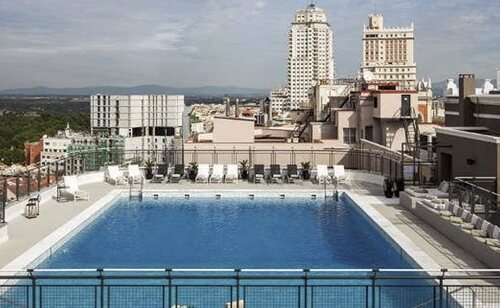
column 349, row 135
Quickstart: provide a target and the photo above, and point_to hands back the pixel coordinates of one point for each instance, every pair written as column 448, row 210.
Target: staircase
column 302, row 125
column 412, row 134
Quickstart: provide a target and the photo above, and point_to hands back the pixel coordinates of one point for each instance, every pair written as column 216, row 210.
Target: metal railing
column 250, row 288
column 2, row 204
column 21, row 185
column 476, row 193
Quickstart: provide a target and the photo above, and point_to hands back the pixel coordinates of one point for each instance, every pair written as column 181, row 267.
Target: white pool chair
column 114, row 175
column 232, row 174
column 203, row 174
column 217, row 174
column 322, row 174
column 71, row 188
column 134, row 174
column 339, row 173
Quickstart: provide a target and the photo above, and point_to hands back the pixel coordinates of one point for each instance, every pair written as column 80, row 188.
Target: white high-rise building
column 310, row 54
column 147, row 122
column 279, row 99
column 388, row 53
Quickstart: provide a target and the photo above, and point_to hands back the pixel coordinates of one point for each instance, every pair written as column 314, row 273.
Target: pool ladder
column 136, row 193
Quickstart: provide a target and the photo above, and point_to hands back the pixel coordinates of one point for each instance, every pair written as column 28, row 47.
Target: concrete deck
column 25, row 233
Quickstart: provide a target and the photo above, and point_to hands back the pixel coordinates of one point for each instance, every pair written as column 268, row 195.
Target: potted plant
column 306, row 170
column 399, row 186
column 244, row 169
column 192, row 170
column 148, row 167
column 388, row 187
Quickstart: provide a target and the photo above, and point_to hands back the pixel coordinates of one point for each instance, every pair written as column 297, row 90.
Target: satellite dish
column 368, row 76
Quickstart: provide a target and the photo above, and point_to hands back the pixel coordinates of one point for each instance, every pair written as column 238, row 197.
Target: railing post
column 306, row 271
column 374, row 280
column 4, row 198
column 57, row 172
column 48, row 175
column 28, row 183
column 39, row 178
column 169, row 276
column 101, row 281
column 17, row 187
column 33, row 288
column 237, row 271
column 441, row 284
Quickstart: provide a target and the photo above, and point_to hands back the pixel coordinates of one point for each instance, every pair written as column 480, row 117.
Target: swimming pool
column 280, row 232
column 203, row 232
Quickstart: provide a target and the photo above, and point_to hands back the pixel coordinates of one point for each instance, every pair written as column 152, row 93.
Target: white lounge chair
column 71, row 188
column 232, row 174
column 322, row 174
column 339, row 173
column 203, row 174
column 217, row 174
column 134, row 174
column 114, row 175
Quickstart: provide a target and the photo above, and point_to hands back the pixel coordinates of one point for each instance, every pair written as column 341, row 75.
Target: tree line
column 15, row 130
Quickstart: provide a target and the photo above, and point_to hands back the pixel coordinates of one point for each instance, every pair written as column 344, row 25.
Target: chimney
column 466, row 88
column 498, row 78
column 269, row 112
column 237, row 109
column 227, row 101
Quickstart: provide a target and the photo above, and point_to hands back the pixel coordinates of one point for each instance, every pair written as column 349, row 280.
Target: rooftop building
column 310, row 54
column 388, row 53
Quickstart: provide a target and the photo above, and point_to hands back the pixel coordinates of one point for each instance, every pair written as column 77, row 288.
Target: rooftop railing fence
column 250, row 288
column 20, row 185
column 476, row 193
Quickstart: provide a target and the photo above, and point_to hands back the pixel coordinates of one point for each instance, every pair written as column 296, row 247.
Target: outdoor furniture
column 275, row 174
column 258, row 171
column 36, row 200
column 322, row 174
column 339, row 173
column 30, row 210
column 161, row 173
column 442, row 191
column 71, row 188
column 494, row 239
column 114, row 175
column 292, row 173
column 178, row 174
column 217, row 174
column 203, row 174
column 134, row 174
column 232, row 174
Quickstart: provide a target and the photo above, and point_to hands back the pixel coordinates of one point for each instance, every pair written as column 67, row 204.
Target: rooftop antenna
column 313, row 3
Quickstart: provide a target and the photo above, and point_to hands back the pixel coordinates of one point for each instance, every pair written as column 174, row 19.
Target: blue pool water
column 226, row 233
column 230, row 233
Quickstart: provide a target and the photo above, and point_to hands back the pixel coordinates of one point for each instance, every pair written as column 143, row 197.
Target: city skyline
column 237, row 43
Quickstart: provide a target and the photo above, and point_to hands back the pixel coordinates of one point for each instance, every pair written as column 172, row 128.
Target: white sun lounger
column 114, row 175
column 217, row 174
column 322, row 174
column 232, row 174
column 71, row 188
column 134, row 174
column 339, row 173
column 203, row 174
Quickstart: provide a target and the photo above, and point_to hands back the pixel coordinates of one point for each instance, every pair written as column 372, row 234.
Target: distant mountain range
column 142, row 89
column 212, row 91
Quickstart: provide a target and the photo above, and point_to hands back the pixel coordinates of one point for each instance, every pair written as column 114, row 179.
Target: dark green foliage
column 15, row 130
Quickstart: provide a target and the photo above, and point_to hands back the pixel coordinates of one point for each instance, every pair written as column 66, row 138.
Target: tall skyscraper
column 388, row 53
column 310, row 53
